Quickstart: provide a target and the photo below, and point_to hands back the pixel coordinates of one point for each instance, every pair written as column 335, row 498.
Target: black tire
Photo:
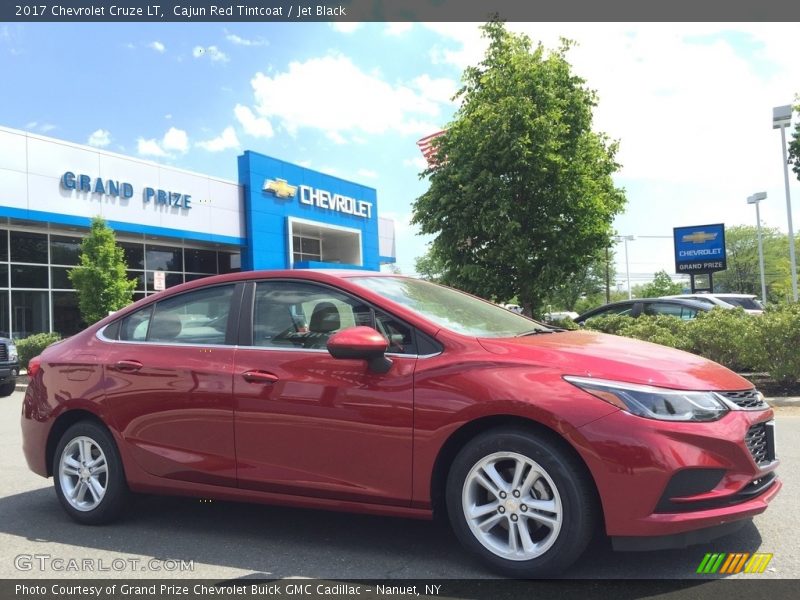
column 568, row 489
column 7, row 389
column 111, row 503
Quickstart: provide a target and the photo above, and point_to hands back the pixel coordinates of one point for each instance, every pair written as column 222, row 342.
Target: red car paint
column 300, row 427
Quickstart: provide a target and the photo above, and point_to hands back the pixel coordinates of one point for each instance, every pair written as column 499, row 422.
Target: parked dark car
column 9, row 367
column 683, row 309
column 382, row 394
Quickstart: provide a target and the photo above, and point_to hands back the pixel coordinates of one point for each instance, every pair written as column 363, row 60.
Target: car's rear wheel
column 521, row 502
column 88, row 474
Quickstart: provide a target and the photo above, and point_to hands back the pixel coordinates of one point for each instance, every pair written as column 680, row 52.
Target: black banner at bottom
column 396, row 589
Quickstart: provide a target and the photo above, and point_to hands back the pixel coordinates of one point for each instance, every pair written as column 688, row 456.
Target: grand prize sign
column 700, row 249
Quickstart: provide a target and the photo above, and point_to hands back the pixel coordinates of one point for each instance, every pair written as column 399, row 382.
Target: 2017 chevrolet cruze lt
column 388, row 395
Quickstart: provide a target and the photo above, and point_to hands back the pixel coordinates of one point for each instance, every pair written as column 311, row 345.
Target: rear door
column 169, row 382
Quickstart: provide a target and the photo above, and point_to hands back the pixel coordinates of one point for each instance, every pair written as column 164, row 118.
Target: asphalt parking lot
column 223, row 541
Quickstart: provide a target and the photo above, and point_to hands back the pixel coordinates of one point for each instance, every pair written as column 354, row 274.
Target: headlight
column 655, row 403
column 12, row 352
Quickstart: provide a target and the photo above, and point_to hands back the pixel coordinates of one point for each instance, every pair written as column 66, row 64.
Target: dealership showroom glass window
column 35, row 291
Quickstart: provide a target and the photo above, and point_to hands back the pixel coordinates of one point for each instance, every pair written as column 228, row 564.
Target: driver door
column 309, row 424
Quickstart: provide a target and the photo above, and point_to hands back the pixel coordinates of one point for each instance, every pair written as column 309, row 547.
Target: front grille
column 3, row 351
column 745, row 399
column 761, row 443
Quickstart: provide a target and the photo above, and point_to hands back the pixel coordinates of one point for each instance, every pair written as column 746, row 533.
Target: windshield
column 744, row 302
column 450, row 308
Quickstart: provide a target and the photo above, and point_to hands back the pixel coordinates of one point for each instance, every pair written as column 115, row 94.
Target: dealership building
column 187, row 225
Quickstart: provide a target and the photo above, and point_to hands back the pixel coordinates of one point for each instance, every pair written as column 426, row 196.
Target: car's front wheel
column 88, row 474
column 7, row 389
column 521, row 502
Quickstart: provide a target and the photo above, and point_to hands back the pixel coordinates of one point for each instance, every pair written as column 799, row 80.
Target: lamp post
column 626, row 239
column 755, row 199
column 781, row 119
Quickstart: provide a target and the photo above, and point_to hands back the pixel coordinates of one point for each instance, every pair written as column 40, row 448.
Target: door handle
column 128, row 365
column 259, row 377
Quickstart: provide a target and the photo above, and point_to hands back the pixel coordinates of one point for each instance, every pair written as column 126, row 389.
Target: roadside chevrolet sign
column 700, row 248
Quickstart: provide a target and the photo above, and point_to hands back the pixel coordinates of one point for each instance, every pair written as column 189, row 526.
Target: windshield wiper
column 537, row 331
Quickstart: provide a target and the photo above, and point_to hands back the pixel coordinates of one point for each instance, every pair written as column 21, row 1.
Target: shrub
column 777, row 334
column 728, row 337
column 661, row 329
column 33, row 345
column 611, row 324
column 565, row 323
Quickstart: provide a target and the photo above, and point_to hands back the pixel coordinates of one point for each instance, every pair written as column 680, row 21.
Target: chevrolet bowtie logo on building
column 699, row 237
column 280, row 188
column 733, row 562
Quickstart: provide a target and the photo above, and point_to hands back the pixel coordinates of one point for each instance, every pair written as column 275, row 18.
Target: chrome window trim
column 99, row 335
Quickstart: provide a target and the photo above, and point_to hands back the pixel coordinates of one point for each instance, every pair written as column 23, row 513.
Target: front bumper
column 658, row 478
column 8, row 372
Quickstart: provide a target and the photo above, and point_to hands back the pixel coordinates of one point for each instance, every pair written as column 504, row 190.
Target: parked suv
column 9, row 367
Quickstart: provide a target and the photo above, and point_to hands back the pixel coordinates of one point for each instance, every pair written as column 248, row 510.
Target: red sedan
column 375, row 393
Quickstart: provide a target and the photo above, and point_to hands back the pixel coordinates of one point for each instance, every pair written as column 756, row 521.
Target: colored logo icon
column 734, row 562
column 280, row 188
column 699, row 237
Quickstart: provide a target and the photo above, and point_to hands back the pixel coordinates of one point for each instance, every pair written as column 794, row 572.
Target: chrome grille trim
column 745, row 399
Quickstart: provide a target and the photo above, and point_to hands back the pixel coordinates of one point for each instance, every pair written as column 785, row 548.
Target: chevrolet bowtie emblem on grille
column 698, row 237
column 280, row 188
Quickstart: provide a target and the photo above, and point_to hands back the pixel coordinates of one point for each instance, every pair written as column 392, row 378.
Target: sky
column 691, row 105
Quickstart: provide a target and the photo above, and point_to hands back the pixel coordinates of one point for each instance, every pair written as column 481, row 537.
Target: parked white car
column 749, row 302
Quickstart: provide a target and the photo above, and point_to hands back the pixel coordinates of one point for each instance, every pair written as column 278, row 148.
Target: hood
column 592, row 354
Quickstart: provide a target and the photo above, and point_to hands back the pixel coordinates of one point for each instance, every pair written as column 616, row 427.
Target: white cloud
column 42, row 127
column 213, row 53
column 168, row 116
column 149, row 147
column 336, row 137
column 397, row 29
column 440, row 89
column 240, row 41
column 367, row 173
column 346, row 26
column 258, row 127
column 365, row 104
column 174, row 140
column 225, row 141
column 157, row 46
column 100, row 138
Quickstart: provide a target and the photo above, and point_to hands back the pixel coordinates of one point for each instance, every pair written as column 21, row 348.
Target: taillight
column 34, row 366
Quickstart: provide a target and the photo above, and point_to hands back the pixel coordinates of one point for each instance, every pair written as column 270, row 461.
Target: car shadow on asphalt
column 278, row 542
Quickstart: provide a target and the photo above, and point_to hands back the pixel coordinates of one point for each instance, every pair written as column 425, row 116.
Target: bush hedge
column 768, row 343
column 33, row 345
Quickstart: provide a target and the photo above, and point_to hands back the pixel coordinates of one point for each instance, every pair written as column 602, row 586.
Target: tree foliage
column 794, row 146
column 662, row 285
column 101, row 279
column 586, row 284
column 743, row 274
column 521, row 196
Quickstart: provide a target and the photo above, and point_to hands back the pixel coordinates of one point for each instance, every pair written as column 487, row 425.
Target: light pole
column 755, row 199
column 626, row 239
column 781, row 119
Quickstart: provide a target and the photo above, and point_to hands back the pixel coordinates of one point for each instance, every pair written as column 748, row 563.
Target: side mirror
column 362, row 343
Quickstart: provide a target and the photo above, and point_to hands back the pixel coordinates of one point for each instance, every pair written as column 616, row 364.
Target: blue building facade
column 296, row 217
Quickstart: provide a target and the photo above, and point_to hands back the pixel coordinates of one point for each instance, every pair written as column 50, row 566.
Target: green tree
column 662, row 285
column 429, row 267
column 586, row 283
column 521, row 195
column 743, row 274
column 101, row 279
column 794, row 145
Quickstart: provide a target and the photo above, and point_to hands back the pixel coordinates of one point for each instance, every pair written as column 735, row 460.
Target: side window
column 134, row 327
column 671, row 310
column 199, row 317
column 688, row 313
column 303, row 315
column 399, row 335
